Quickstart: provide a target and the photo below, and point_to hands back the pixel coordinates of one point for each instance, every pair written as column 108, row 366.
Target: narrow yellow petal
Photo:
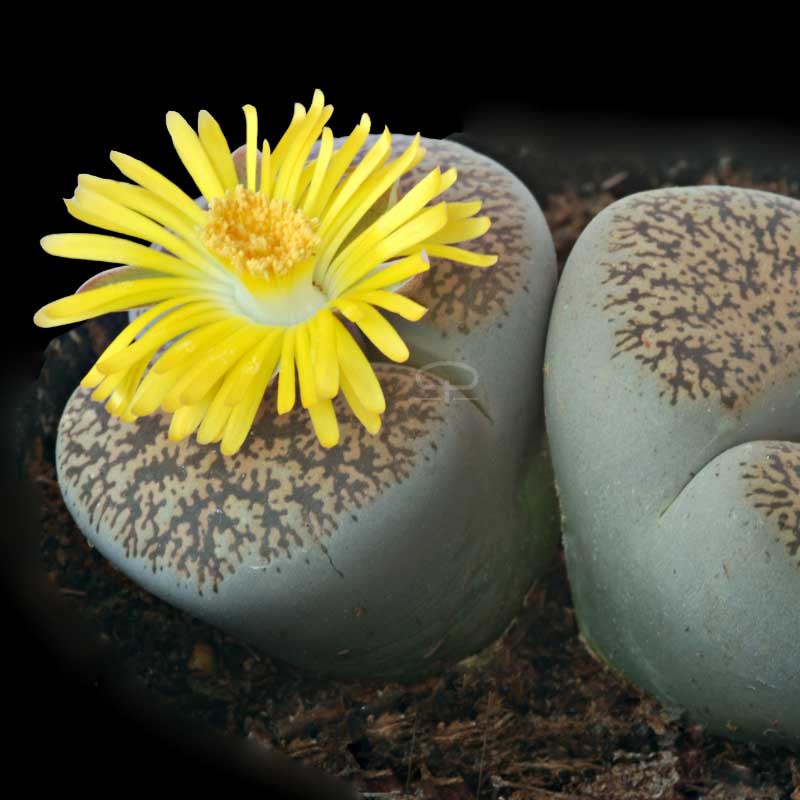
column 460, row 255
column 120, row 401
column 146, row 176
column 126, row 336
column 406, row 238
column 194, row 157
column 292, row 143
column 197, row 342
column 242, row 415
column 461, row 230
column 320, row 167
column 267, row 352
column 406, row 208
column 393, row 274
column 180, row 321
column 354, row 367
column 379, row 331
column 106, row 213
column 306, row 173
column 216, row 146
column 463, row 210
column 145, row 202
column 265, row 186
column 113, row 250
column 353, row 311
column 323, row 418
column 154, row 387
column 213, row 425
column 339, row 163
column 251, row 124
column 323, row 355
column 286, row 379
column 391, row 301
column 81, row 212
column 449, row 178
column 369, row 419
column 116, row 297
column 280, row 149
column 373, row 159
column 186, row 419
column 299, row 147
column 361, row 201
column 218, row 360
column 109, row 385
column 305, row 370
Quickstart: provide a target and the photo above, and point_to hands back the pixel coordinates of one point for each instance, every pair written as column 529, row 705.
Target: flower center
column 265, row 238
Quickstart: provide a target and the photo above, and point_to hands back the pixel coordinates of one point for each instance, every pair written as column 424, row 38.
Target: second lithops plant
column 673, row 410
column 374, row 504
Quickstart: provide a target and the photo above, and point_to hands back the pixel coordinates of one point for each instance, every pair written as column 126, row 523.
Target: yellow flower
column 258, row 285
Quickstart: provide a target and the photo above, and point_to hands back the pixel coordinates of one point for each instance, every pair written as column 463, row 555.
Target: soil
column 533, row 717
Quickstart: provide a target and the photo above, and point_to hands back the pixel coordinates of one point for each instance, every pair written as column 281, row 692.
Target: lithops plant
column 673, row 408
column 375, row 531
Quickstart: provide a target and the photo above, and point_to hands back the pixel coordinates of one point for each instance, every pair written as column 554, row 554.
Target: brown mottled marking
column 187, row 507
column 460, row 297
column 703, row 287
column 773, row 487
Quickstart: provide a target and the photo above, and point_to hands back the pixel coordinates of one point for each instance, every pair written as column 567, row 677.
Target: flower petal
column 355, row 368
column 145, row 202
column 280, row 149
column 147, row 177
column 376, row 155
column 216, row 146
column 362, row 200
column 127, row 335
column 340, row 161
column 391, row 301
column 116, row 297
column 217, row 361
column 265, row 185
column 154, row 388
column 212, row 428
column 113, row 250
column 461, row 230
column 305, row 371
column 180, row 321
column 323, row 418
column 194, row 157
column 265, row 354
column 242, row 415
column 369, row 419
column 460, row 255
column 299, row 146
column 102, row 212
column 405, row 238
column 393, row 274
column 251, row 153
column 186, row 419
column 198, row 341
column 323, row 355
column 286, row 380
column 320, row 167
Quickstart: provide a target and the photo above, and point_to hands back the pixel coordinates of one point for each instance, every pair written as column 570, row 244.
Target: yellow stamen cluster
column 253, row 233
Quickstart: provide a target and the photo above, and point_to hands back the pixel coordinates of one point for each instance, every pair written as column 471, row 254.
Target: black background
column 75, row 91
